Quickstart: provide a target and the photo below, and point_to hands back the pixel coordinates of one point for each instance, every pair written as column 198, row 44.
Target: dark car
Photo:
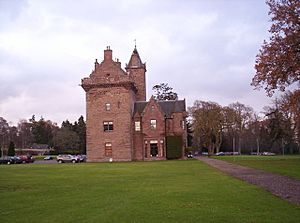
column 27, row 159
column 10, row 160
column 13, row 160
column 5, row 160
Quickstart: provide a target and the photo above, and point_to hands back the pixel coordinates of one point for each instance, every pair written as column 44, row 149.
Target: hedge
column 174, row 147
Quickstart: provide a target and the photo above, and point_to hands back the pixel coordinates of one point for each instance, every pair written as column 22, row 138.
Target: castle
column 121, row 124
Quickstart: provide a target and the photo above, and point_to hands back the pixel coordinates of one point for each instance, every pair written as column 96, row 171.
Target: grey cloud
column 203, row 49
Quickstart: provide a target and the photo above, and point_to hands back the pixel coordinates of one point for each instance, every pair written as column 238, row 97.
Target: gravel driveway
column 281, row 186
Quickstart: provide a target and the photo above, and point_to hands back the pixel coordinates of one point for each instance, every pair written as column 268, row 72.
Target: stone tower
column 137, row 70
column 110, row 96
column 120, row 123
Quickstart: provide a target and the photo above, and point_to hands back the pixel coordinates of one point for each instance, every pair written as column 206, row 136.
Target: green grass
column 166, row 191
column 285, row 165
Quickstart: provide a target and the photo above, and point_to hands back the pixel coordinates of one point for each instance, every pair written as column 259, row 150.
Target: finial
column 134, row 43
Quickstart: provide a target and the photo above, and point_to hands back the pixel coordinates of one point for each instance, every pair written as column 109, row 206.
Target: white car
column 268, row 154
column 67, row 159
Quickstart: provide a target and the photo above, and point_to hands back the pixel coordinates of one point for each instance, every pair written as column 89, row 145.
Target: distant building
column 121, row 124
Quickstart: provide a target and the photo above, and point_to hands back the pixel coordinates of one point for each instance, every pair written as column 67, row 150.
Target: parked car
column 10, row 160
column 5, row 160
column 268, row 154
column 26, row 159
column 15, row 159
column 220, row 154
column 67, row 159
column 81, row 158
column 48, row 158
column 190, row 155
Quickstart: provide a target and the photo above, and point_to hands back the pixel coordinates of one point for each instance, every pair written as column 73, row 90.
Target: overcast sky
column 204, row 49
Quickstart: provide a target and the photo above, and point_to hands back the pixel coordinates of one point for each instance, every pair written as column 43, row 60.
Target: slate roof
column 135, row 61
column 168, row 107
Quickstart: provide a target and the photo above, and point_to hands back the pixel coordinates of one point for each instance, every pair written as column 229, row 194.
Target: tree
column 278, row 62
column 43, row 131
column 207, row 125
column 66, row 141
column 242, row 116
column 4, row 132
column 11, row 149
column 189, row 133
column 164, row 93
column 282, row 126
column 80, row 129
column 67, row 124
column 25, row 134
column 288, row 107
column 230, row 133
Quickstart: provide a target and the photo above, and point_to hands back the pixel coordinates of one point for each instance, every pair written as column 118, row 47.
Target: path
column 281, row 186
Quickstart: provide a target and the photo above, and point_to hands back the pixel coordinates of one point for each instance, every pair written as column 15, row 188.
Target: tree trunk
column 257, row 143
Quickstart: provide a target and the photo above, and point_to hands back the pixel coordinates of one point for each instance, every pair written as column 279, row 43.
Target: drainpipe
column 166, row 118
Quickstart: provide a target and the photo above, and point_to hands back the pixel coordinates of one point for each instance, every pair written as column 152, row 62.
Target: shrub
column 174, row 147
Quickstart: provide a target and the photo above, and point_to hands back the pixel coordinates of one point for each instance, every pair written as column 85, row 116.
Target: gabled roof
column 168, row 107
column 139, row 106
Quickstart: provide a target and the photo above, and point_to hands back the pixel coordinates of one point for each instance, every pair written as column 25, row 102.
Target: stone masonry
column 121, row 124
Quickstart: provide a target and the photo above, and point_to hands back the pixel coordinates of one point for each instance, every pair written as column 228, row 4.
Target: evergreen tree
column 11, row 149
column 80, row 129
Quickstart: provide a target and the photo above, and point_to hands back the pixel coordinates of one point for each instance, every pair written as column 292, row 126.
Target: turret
column 137, row 69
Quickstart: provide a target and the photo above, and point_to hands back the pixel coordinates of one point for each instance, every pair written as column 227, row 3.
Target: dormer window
column 107, row 106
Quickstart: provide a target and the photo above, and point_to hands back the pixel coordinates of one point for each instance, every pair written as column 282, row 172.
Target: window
column 108, row 149
column 137, row 126
column 107, row 107
column 153, row 124
column 108, row 126
column 152, row 108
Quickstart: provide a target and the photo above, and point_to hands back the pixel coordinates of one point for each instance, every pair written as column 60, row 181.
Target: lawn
column 285, row 165
column 163, row 191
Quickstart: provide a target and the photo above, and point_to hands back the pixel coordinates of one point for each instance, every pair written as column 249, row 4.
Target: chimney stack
column 107, row 54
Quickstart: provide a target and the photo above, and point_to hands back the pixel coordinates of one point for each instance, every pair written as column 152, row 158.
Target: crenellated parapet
column 108, row 73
